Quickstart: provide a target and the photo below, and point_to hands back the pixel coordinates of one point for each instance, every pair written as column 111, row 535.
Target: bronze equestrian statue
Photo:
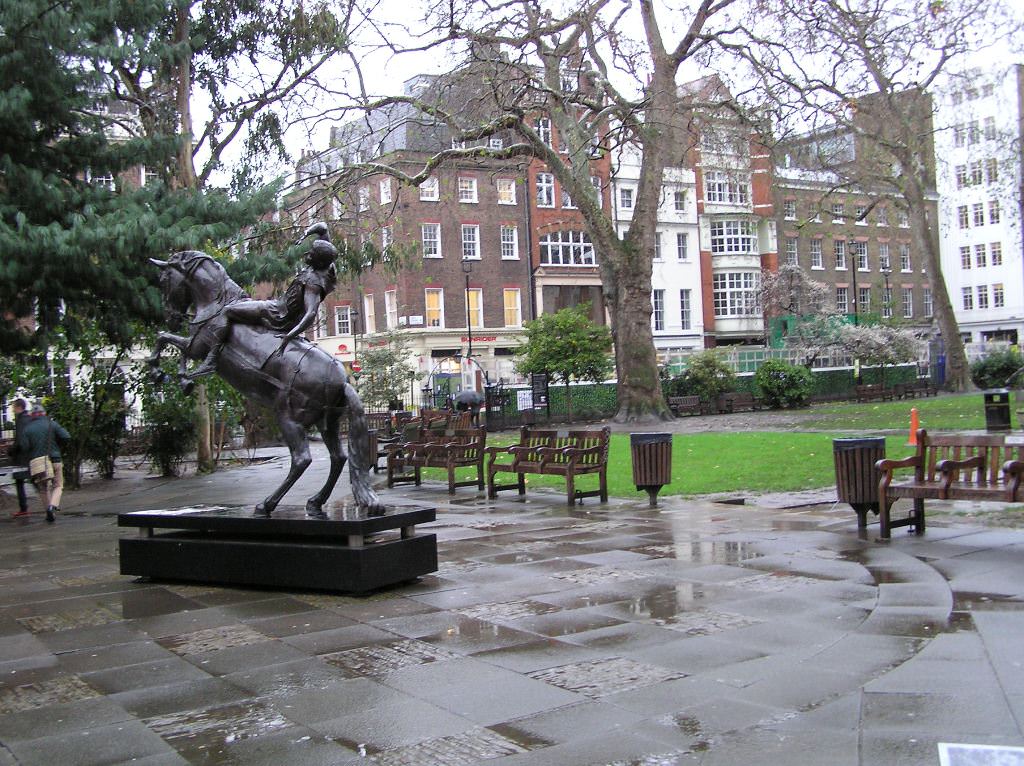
column 301, row 383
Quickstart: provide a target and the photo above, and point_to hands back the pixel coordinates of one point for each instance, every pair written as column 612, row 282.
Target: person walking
column 39, row 440
column 20, row 461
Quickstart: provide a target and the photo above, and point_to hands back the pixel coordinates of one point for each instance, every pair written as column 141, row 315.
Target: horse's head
column 192, row 278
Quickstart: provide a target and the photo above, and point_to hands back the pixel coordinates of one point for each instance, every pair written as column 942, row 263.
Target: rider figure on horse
column 294, row 311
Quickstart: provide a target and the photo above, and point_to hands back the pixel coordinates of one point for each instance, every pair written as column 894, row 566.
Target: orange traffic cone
column 914, row 425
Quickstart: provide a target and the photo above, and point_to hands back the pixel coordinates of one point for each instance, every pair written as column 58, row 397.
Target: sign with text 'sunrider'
column 539, row 388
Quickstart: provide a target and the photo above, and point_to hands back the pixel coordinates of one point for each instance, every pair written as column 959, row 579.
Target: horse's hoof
column 264, row 510
column 315, row 510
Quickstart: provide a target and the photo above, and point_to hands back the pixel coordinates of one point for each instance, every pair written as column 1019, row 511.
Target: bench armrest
column 1013, row 470
column 574, row 453
column 495, row 451
column 887, row 466
column 949, row 467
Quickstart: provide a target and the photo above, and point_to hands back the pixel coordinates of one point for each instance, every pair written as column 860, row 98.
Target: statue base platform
column 347, row 551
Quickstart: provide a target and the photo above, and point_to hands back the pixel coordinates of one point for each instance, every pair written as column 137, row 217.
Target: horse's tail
column 359, row 453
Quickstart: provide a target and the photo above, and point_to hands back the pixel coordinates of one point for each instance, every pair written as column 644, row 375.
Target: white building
column 978, row 152
column 677, row 298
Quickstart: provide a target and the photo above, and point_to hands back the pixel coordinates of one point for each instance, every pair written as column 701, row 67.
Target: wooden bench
column 449, row 449
column 736, row 401
column 684, row 405
column 553, row 453
column 950, row 466
column 871, row 392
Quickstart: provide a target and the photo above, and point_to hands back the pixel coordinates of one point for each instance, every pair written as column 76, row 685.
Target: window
column 335, row 208
column 658, row 303
column 467, row 190
column 470, row 242
column 542, row 125
column 973, row 133
column 431, row 235
column 725, row 188
column 965, row 257
column 510, row 243
column 982, row 292
column 496, row 143
column 907, row 297
column 838, row 213
column 961, row 176
column 959, row 135
column 887, row 303
column 733, row 236
column 863, row 299
column 684, row 309
column 545, row 190
column 842, row 300
column 391, row 309
column 320, row 325
column 679, row 200
column 990, row 128
column 978, row 214
column 657, row 245
column 789, row 209
column 995, row 252
column 859, row 253
column 998, row 297
column 991, row 170
column 905, row 257
column 475, row 296
column 926, row 301
column 567, row 200
column 860, row 215
column 364, row 198
column 513, row 307
column 149, row 175
column 506, row 191
column 599, row 188
column 987, row 89
column 342, row 320
column 994, row 212
column 386, row 237
column 980, row 261
column 369, row 315
column 883, row 257
column 816, row 260
column 626, row 198
column 567, row 248
column 839, row 248
column 975, row 173
column 903, row 219
column 967, row 296
column 682, row 246
column 385, row 191
column 963, row 216
column 430, row 190
column 433, row 302
column 792, row 252
column 568, row 81
column 103, row 180
column 735, row 293
column 883, row 215
column 817, row 215
column 458, row 143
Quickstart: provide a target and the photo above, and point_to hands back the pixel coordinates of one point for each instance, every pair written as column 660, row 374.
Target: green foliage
column 170, row 423
column 387, row 371
column 782, row 384
column 74, row 252
column 996, row 368
column 706, row 375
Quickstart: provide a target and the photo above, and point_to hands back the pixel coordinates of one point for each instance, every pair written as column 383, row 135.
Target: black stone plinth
column 346, row 551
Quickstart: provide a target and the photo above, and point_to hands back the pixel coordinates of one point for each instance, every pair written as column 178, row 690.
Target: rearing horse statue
column 300, row 382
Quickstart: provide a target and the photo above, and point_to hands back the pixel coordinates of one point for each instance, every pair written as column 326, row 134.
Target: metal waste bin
column 997, row 410
column 856, row 475
column 652, row 462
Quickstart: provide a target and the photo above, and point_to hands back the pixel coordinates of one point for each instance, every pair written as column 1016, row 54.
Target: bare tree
column 599, row 88
column 864, row 68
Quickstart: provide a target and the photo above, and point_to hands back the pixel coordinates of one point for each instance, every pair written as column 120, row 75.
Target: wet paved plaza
column 695, row 633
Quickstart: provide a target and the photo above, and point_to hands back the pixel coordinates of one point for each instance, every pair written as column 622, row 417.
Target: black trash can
column 856, row 475
column 997, row 410
column 652, row 462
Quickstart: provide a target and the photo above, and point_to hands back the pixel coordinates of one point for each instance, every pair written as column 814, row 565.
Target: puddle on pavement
column 209, row 731
column 981, row 602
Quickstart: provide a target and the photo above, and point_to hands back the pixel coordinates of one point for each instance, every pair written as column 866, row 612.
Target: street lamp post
column 467, row 268
column 886, row 298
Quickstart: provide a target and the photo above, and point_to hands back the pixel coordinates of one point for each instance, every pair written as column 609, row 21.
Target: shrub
column 706, row 376
column 995, row 369
column 783, row 385
column 171, row 428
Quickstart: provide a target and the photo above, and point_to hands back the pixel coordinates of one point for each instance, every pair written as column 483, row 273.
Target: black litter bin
column 652, row 462
column 997, row 410
column 856, row 475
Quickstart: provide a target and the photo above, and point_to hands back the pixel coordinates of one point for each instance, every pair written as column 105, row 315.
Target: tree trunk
column 958, row 376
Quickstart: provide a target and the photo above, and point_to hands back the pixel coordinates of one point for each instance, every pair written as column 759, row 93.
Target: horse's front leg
column 163, row 340
column 298, row 445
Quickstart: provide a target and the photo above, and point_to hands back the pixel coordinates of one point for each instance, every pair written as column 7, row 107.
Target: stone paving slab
column 602, row 635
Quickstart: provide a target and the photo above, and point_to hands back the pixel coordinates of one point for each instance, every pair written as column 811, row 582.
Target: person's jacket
column 17, row 455
column 37, row 436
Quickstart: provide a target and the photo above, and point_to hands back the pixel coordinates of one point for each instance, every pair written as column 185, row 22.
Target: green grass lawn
column 959, row 412
column 708, row 463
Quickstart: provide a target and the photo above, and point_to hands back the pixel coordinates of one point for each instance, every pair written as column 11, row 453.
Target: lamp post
column 886, row 297
column 853, row 271
column 467, row 269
